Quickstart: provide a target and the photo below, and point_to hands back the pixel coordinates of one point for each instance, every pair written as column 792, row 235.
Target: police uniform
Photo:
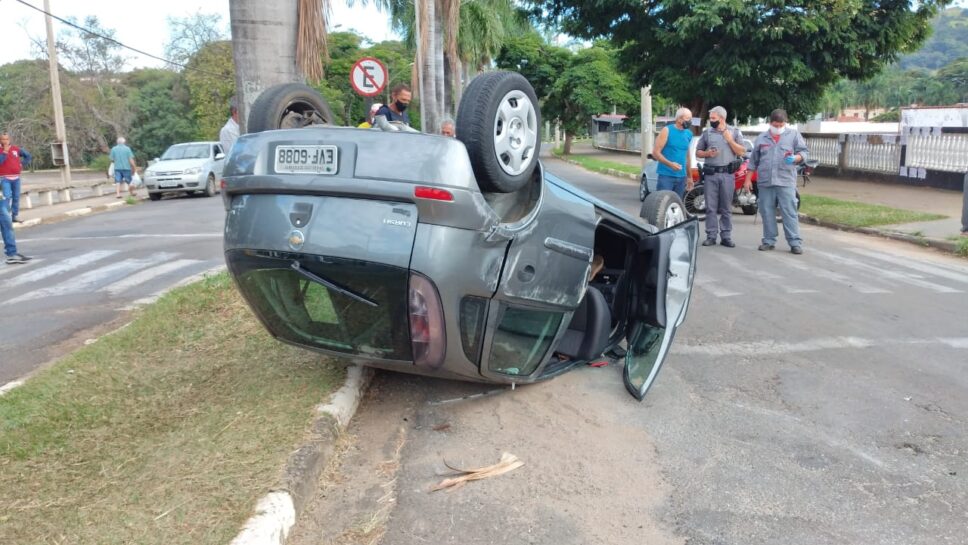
column 719, row 181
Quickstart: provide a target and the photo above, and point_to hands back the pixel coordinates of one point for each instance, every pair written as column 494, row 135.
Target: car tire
column 289, row 106
column 643, row 188
column 210, row 186
column 695, row 201
column 154, row 196
column 663, row 209
column 499, row 122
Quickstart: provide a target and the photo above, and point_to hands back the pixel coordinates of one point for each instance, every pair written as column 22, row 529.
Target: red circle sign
column 368, row 77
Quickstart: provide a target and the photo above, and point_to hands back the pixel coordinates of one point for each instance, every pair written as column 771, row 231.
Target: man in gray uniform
column 720, row 145
column 776, row 154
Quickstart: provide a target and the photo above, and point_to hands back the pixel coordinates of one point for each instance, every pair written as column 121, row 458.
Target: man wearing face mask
column 396, row 110
column 672, row 152
column 720, row 145
column 776, row 154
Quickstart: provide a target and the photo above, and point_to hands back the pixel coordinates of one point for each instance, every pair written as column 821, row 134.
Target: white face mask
column 777, row 131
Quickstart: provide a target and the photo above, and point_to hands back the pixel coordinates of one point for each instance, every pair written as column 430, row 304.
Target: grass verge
column 597, row 165
column 961, row 245
column 855, row 214
column 166, row 432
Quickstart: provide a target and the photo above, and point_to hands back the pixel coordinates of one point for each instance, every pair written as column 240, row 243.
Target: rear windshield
column 186, row 151
column 363, row 310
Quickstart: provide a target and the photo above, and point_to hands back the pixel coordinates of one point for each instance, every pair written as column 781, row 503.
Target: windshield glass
column 186, row 151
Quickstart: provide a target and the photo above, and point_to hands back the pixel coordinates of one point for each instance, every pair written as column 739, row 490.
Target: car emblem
column 397, row 223
column 296, row 239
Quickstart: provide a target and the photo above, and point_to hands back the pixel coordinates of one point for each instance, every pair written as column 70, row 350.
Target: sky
column 142, row 24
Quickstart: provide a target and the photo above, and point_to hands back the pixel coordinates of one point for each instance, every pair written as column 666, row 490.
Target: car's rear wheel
column 289, row 106
column 663, row 209
column 498, row 121
column 210, row 186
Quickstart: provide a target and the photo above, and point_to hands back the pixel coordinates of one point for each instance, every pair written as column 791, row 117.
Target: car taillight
column 222, row 184
column 433, row 193
column 427, row 334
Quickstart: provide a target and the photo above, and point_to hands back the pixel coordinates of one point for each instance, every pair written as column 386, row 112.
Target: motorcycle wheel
column 695, row 201
column 749, row 210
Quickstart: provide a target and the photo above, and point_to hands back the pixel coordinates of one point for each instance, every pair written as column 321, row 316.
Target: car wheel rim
column 299, row 114
column 515, row 133
column 674, row 215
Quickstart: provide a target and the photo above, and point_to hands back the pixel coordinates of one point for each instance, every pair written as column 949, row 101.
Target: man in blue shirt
column 124, row 166
column 672, row 152
column 396, row 110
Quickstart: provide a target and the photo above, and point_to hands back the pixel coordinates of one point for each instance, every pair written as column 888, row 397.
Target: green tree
column 591, row 84
column 211, row 83
column 955, row 76
column 535, row 59
column 187, row 35
column 948, row 41
column 161, row 113
column 748, row 55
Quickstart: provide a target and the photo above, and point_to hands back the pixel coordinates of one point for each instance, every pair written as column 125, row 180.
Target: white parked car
column 194, row 167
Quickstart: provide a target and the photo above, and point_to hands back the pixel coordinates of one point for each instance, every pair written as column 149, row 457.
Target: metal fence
column 619, row 140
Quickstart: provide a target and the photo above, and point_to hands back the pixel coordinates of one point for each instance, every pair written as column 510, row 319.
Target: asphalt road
column 814, row 399
column 89, row 271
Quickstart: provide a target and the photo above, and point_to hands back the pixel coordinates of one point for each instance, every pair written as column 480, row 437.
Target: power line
column 112, row 40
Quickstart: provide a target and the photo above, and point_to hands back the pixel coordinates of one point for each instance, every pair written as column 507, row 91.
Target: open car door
column 662, row 273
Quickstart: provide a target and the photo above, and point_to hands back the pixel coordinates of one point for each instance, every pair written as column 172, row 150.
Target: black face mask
column 714, row 124
column 685, row 124
column 401, row 107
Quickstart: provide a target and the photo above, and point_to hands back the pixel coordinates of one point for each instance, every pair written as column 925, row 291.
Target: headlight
column 193, row 170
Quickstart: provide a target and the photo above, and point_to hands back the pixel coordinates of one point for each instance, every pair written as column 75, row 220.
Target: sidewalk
column 938, row 233
column 62, row 211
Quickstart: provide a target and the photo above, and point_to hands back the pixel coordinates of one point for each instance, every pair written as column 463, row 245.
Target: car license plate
column 167, row 184
column 316, row 159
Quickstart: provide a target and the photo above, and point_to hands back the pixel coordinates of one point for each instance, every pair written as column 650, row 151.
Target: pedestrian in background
column 776, row 154
column 672, row 152
column 720, row 145
column 124, row 166
column 12, row 161
column 368, row 120
column 448, row 128
column 230, row 131
column 396, row 110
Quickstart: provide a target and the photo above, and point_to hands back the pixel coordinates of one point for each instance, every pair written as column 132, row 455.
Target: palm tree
column 276, row 42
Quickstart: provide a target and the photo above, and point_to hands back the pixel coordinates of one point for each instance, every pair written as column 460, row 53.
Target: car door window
column 216, row 150
column 522, row 339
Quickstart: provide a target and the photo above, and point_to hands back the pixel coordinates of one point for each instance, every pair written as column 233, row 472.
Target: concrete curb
column 276, row 512
column 76, row 212
column 939, row 244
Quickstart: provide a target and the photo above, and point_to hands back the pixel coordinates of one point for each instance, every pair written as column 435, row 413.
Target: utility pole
column 646, row 124
column 55, row 94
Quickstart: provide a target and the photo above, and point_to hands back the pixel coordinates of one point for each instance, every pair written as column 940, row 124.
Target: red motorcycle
column 695, row 199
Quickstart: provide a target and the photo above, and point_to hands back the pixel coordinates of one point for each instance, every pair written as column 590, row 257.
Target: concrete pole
column 55, row 93
column 647, row 130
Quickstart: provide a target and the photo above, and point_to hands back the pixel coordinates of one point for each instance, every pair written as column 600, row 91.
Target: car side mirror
column 219, row 155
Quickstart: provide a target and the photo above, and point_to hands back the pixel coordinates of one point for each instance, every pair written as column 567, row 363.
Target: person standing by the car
column 720, row 145
column 776, row 154
column 672, row 152
column 230, row 131
column 12, row 161
column 396, row 110
column 124, row 166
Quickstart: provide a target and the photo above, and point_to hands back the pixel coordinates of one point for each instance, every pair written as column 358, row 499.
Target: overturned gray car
column 457, row 258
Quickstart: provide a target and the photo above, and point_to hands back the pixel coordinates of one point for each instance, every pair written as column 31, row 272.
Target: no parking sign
column 368, row 77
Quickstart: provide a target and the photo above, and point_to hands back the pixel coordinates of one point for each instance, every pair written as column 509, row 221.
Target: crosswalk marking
column 712, row 286
column 95, row 278
column 7, row 269
column 773, row 348
column 752, row 275
column 892, row 275
column 834, row 277
column 69, row 264
column 922, row 266
column 147, row 275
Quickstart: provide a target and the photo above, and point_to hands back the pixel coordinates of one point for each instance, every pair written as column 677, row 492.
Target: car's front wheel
column 663, row 209
column 154, row 196
column 498, row 121
column 289, row 106
column 210, row 186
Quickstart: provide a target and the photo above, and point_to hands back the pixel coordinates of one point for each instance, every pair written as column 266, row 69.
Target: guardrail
column 45, row 194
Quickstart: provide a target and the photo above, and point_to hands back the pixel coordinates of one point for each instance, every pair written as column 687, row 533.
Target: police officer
column 720, row 145
column 776, row 154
